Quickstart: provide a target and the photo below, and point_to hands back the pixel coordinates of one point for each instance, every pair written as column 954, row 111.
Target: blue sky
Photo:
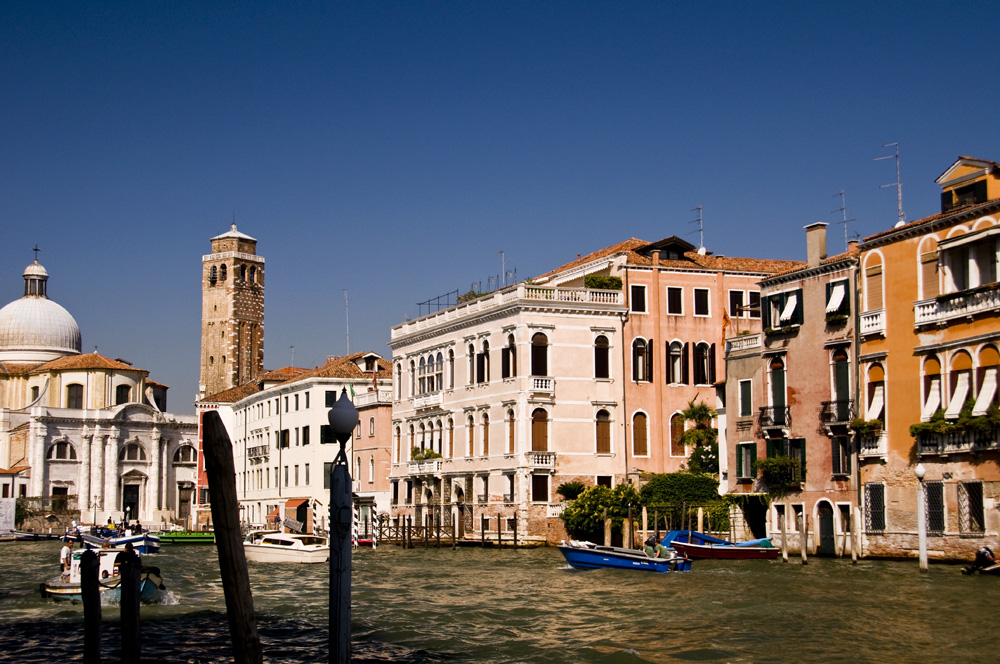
column 394, row 149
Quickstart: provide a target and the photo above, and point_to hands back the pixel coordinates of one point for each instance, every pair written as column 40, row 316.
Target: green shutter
column 765, row 312
column 797, row 317
column 770, row 448
column 746, row 393
column 753, row 460
column 739, row 461
column 797, row 450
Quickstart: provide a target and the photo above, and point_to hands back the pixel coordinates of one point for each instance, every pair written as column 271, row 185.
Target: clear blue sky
column 393, row 149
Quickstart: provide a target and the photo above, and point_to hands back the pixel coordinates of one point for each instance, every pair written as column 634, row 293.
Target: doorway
column 827, row 541
column 130, row 501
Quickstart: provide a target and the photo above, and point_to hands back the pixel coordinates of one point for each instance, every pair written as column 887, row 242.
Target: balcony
column 874, row 445
column 373, row 398
column 772, row 417
column 427, row 467
column 541, row 460
column 837, row 412
column 956, row 305
column 481, row 498
column 956, row 442
column 872, row 322
column 742, row 343
column 543, row 385
column 259, row 452
column 427, row 401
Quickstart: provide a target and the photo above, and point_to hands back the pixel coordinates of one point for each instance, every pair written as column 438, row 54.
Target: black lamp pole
column 343, row 419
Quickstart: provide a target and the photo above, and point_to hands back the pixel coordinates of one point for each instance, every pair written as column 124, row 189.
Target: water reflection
column 523, row 606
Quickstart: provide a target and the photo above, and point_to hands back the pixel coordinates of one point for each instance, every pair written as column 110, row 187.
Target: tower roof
column 233, row 233
column 34, row 328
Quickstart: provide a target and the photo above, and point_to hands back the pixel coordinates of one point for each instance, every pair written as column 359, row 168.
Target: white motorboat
column 274, row 547
column 68, row 586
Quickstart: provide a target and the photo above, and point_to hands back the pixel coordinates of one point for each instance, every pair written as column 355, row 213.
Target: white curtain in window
column 789, row 310
column 877, row 403
column 986, row 392
column 836, row 297
column 933, row 401
column 958, row 396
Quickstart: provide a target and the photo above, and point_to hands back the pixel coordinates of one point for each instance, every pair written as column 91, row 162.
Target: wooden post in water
column 607, row 528
column 428, row 520
column 656, row 524
column 482, row 529
column 221, row 472
column 628, row 541
column 701, row 520
column 91, row 591
column 855, row 525
column 439, row 533
column 805, row 534
column 784, row 539
column 515, row 529
column 129, row 608
column 454, row 529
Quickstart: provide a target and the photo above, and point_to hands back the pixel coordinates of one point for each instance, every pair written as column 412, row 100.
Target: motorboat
column 694, row 544
column 67, row 586
column 186, row 537
column 143, row 543
column 587, row 555
column 276, row 547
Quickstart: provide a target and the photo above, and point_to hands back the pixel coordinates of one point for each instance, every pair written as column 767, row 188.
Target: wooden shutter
column 711, row 364
column 739, row 460
column 873, row 286
column 505, row 362
column 649, row 360
column 797, row 450
column 746, row 394
column 979, row 192
column 946, row 200
column 684, row 363
column 778, row 390
column 929, row 275
column 765, row 312
column 770, row 451
column 797, row 316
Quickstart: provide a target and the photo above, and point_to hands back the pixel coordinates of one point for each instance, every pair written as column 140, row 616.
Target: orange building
column 930, row 329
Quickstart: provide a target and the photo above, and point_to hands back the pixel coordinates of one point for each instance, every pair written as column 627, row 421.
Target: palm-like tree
column 703, row 436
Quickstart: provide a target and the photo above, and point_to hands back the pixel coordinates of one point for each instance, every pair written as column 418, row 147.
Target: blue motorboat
column 587, row 555
column 143, row 543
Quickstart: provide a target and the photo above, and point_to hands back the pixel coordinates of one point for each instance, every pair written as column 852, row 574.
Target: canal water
column 484, row 605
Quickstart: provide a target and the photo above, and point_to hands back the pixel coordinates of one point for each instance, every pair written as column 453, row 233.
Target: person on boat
column 125, row 555
column 654, row 549
column 66, row 556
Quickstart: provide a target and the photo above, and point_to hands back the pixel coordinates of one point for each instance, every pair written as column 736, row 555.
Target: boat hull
column 262, row 553
column 187, row 537
column 149, row 585
column 606, row 557
column 726, row 551
column 143, row 543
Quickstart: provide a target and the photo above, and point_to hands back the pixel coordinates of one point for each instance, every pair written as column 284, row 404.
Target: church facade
column 84, row 434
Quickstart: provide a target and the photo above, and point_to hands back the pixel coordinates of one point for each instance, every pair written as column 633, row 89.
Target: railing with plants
column 967, row 433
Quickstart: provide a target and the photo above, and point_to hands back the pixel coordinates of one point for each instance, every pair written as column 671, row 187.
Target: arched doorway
column 827, row 540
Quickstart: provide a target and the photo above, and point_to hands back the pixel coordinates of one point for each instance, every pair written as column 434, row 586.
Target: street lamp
column 94, row 505
column 920, row 471
column 343, row 417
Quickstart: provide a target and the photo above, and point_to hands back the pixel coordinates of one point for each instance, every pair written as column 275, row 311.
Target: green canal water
column 484, row 605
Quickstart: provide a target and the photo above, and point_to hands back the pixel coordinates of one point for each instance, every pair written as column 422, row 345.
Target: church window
column 253, row 274
column 74, row 396
column 62, row 450
column 185, row 454
column 132, row 452
column 213, row 275
column 243, row 277
column 123, row 394
column 222, row 273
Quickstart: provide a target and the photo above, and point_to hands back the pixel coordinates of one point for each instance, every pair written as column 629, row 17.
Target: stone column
column 36, row 455
column 97, row 466
column 111, row 501
column 83, row 493
column 154, row 473
column 145, row 501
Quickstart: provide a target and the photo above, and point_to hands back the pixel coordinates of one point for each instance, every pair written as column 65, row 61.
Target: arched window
column 986, row 379
column 371, row 426
column 508, row 358
column 74, row 396
column 132, row 452
column 371, row 470
column 439, row 448
column 185, row 454
column 640, row 435
column 777, row 393
column 873, row 283
column 123, row 394
column 451, row 369
column 841, row 386
column 539, row 430
column 483, row 364
column 63, row 450
column 486, row 434
column 439, row 372
column 213, row 275
column 399, row 382
column 451, row 438
column 677, row 364
column 412, row 443
column 930, row 280
column 642, row 356
column 413, row 378
column 222, row 273
column 603, row 432
column 704, row 364
column 510, row 431
column 243, row 273
column 253, row 274
column 602, row 363
column 399, row 440
column 959, row 383
column 470, row 449
column 931, row 393
column 422, row 377
column 539, row 355
column 472, row 364
column 423, row 436
column 677, row 448
column 875, row 406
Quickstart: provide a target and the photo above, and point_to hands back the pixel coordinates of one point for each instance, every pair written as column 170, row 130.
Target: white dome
column 34, row 328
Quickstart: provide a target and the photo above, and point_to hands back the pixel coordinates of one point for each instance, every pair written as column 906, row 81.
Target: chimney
column 815, row 243
column 656, row 257
column 852, row 246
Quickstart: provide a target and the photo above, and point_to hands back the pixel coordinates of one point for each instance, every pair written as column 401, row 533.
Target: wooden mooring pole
column 221, row 472
column 129, row 608
column 784, row 539
column 515, row 530
column 498, row 531
column 805, row 536
column 91, row 592
column 482, row 529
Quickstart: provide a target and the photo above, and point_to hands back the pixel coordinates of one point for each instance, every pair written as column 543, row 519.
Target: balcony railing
column 425, row 401
column 957, row 441
column 259, row 452
column 772, row 417
column 481, row 498
column 873, row 322
column 543, row 385
column 956, row 305
column 373, row 397
column 743, row 342
column 837, row 412
column 873, row 445
column 541, row 460
column 425, row 467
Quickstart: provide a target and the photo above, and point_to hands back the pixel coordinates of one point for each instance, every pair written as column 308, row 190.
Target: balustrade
column 837, row 412
column 956, row 305
column 872, row 322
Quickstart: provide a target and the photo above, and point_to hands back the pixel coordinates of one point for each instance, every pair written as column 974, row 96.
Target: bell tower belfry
column 232, row 313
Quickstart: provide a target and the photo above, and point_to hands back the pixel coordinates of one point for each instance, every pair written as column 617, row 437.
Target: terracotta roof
column 12, row 369
column 345, row 367
column 931, row 219
column 86, row 361
column 826, row 261
column 13, row 471
column 153, row 383
column 234, row 394
column 627, row 246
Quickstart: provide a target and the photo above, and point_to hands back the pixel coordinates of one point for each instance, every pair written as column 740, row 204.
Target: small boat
column 699, row 545
column 67, row 586
column 142, row 542
column 587, row 555
column 186, row 537
column 274, row 547
column 30, row 535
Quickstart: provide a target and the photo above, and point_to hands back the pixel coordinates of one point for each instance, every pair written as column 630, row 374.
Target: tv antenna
column 700, row 231
column 503, row 270
column 898, row 183
column 292, row 348
column 347, row 318
column 843, row 210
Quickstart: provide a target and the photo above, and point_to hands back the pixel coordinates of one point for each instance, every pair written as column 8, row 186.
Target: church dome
column 34, row 328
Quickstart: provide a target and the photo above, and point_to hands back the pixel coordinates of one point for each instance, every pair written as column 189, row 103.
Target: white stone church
column 84, row 432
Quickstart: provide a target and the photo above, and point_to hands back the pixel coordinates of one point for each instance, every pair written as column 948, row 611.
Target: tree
column 571, row 490
column 584, row 518
column 703, row 437
column 678, row 488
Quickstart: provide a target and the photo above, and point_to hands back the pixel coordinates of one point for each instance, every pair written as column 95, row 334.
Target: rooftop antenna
column 701, row 230
column 503, row 270
column 292, row 348
column 898, row 183
column 36, row 250
column 843, row 210
column 347, row 317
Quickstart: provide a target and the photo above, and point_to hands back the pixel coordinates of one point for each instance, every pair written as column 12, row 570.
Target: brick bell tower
column 232, row 313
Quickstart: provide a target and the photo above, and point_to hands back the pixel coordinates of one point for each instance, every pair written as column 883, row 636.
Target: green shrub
column 584, row 518
column 418, row 454
column 602, row 282
column 678, row 488
column 571, row 490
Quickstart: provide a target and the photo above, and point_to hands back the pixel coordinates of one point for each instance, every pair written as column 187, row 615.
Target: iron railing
column 837, row 412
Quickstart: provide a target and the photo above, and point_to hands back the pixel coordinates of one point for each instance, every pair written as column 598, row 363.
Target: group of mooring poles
column 90, row 589
column 432, row 533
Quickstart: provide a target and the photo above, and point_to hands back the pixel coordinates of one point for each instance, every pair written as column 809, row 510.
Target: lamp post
column 920, row 471
column 343, row 417
column 94, row 522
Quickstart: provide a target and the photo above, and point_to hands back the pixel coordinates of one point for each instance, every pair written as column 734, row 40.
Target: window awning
column 789, row 310
column 958, row 396
column 836, row 298
column 877, row 403
column 295, row 502
column 968, row 238
column 987, row 391
column 933, row 401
